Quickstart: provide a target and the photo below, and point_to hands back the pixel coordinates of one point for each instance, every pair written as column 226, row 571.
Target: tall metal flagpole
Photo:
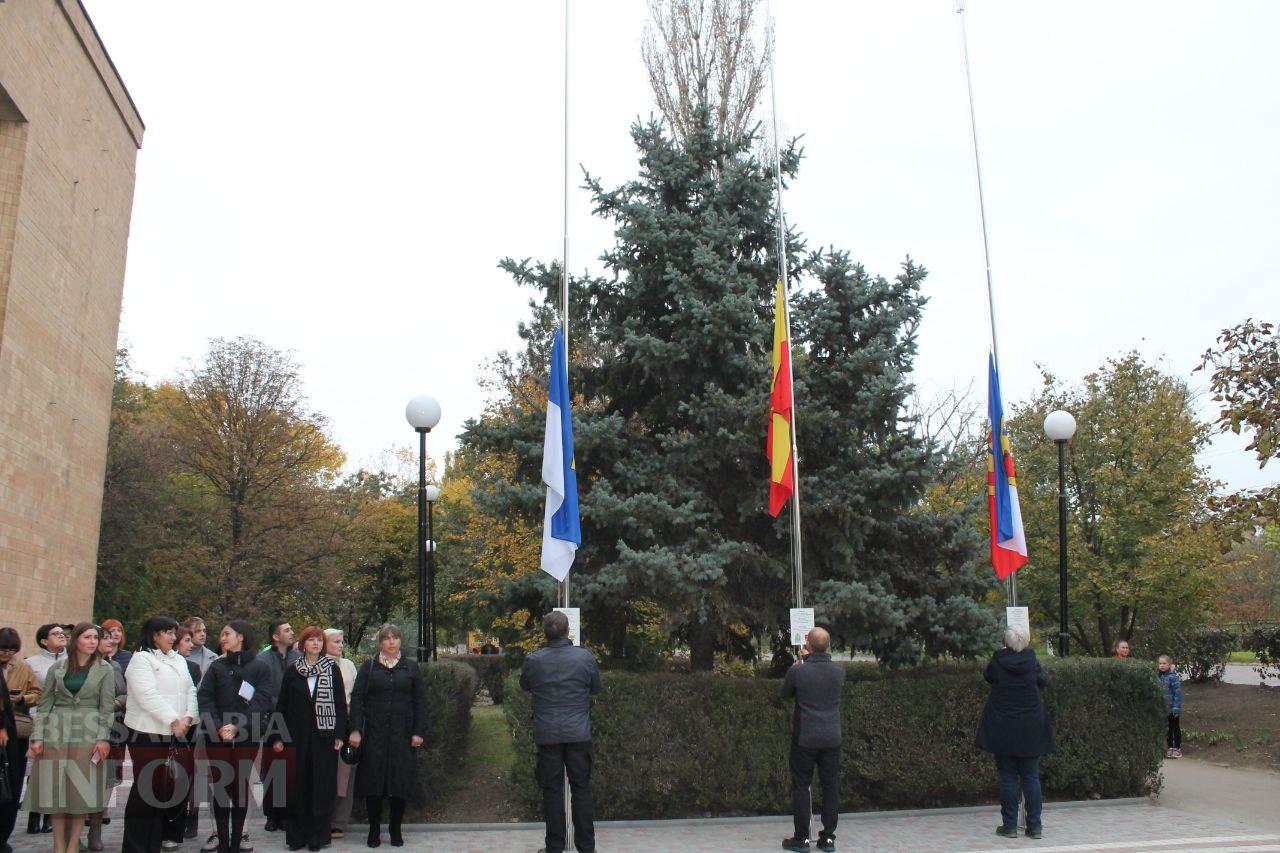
column 564, row 330
column 982, row 217
column 797, row 564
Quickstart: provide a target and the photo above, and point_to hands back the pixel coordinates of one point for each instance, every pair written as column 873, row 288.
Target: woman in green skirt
column 70, row 741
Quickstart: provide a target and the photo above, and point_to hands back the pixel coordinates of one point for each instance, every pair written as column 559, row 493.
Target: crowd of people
column 317, row 732
column 203, row 726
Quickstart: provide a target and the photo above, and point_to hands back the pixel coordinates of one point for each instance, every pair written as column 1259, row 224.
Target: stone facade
column 69, row 139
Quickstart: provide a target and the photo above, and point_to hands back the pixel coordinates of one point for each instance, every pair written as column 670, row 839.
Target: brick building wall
column 69, row 138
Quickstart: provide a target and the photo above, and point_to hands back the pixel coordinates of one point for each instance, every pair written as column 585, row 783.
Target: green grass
column 490, row 746
column 1242, row 657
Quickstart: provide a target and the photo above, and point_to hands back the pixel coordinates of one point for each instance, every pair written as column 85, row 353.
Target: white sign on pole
column 1019, row 617
column 801, row 624
column 574, row 615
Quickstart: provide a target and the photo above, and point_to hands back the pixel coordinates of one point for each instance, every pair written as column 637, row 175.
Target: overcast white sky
column 340, row 179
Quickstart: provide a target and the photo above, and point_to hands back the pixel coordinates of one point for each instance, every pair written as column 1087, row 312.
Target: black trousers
column 1174, row 735
column 803, row 760
column 17, row 763
column 229, row 776
column 156, row 796
column 554, row 761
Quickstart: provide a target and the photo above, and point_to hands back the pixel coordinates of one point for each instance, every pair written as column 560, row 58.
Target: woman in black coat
column 233, row 728
column 1015, row 728
column 312, row 709
column 388, row 723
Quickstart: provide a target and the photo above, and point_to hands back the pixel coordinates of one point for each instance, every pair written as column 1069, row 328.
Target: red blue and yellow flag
column 1008, row 540
column 778, row 447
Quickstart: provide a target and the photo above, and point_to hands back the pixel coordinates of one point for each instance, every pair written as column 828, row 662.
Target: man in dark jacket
column 816, row 682
column 562, row 679
column 276, row 657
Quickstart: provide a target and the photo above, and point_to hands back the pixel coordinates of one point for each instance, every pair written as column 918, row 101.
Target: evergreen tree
column 670, row 376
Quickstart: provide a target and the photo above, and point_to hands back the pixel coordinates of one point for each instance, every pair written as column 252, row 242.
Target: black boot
column 373, row 805
column 46, row 823
column 397, row 817
column 33, row 823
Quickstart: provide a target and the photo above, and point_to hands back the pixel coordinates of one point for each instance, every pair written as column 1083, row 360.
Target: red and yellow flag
column 782, row 471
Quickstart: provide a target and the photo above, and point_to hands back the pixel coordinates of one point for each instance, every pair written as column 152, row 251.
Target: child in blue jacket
column 1171, row 685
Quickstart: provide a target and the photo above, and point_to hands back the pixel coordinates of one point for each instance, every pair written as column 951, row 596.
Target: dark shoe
column 105, row 820
column 397, row 840
column 795, row 843
column 33, row 823
column 1007, row 833
column 826, row 843
column 374, row 832
column 46, row 825
column 1034, row 833
column 271, row 826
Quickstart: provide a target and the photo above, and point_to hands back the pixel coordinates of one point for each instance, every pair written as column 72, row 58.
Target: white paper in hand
column 246, row 691
column 801, row 624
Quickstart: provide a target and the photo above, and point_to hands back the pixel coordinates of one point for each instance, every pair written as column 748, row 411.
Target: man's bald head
column 819, row 640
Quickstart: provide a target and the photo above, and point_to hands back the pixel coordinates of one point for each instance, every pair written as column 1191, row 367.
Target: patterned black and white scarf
column 323, row 698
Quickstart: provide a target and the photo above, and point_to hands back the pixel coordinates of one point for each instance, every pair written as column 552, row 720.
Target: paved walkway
column 1203, row 807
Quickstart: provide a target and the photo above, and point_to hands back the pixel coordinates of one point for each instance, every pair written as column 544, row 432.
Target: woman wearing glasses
column 161, row 710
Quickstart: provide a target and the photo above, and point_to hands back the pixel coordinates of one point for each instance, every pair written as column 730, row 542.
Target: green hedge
column 686, row 745
column 492, row 671
column 451, row 687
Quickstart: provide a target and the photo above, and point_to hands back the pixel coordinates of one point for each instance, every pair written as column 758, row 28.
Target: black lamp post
column 432, row 494
column 423, row 413
column 1060, row 426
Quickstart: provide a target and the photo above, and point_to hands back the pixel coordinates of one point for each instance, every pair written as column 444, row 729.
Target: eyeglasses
column 8, row 651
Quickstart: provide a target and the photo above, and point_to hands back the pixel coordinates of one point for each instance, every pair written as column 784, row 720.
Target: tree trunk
column 702, row 648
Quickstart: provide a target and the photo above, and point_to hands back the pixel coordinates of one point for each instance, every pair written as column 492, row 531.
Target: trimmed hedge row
column 492, row 671
column 685, row 745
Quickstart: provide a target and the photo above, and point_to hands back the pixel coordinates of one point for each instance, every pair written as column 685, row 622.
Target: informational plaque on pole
column 574, row 614
column 1019, row 617
column 801, row 624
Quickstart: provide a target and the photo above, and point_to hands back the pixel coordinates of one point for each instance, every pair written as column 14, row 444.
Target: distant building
column 69, row 139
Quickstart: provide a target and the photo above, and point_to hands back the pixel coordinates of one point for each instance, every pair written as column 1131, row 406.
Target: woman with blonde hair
column 335, row 646
column 70, row 741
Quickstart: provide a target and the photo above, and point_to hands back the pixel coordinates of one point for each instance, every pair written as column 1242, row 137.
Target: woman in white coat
column 161, row 710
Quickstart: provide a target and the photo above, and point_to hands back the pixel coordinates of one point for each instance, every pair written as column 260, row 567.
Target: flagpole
column 982, row 219
column 564, row 330
column 797, row 563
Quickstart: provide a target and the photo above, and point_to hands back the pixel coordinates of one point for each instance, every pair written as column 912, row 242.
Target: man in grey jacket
column 562, row 678
column 816, row 682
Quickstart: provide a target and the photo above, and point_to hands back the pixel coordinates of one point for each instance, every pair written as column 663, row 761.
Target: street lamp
column 422, row 413
column 1060, row 426
column 432, row 495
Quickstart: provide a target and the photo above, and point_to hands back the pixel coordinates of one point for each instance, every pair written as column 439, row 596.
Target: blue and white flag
column 561, row 526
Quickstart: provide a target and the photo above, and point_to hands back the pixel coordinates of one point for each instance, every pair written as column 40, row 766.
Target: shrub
column 451, row 687
column 1265, row 644
column 690, row 745
column 1204, row 655
column 491, row 672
